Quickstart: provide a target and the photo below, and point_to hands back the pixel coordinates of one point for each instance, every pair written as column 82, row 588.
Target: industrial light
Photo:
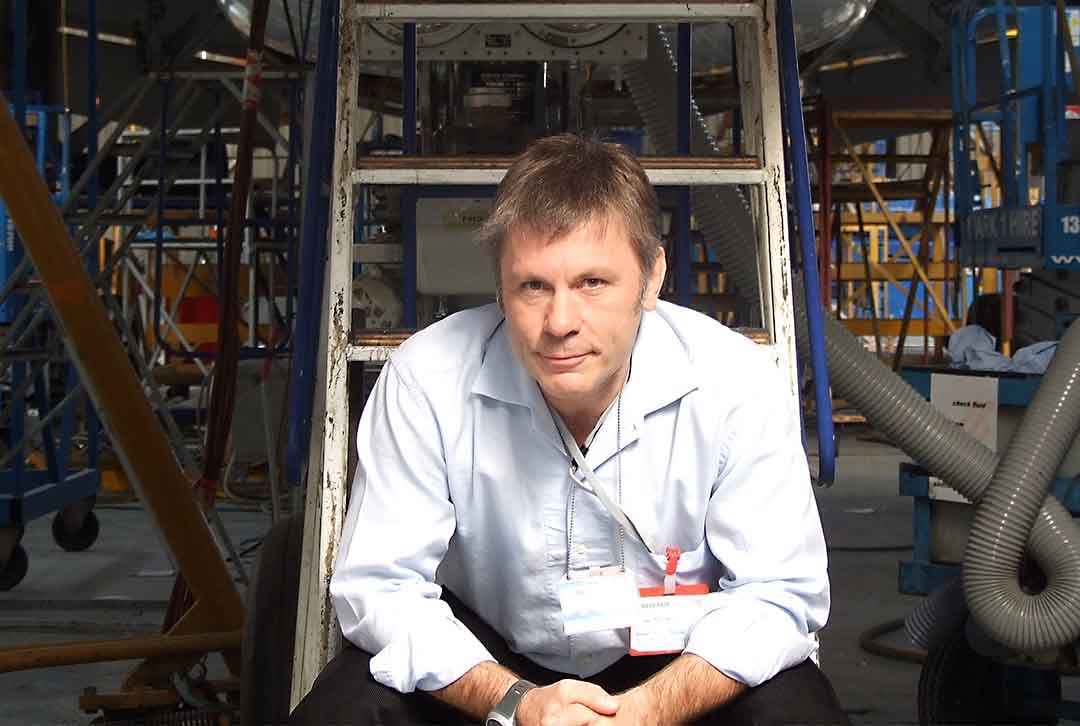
column 865, row 60
column 103, row 37
column 130, row 42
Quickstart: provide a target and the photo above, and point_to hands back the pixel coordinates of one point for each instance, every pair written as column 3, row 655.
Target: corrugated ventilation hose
column 1025, row 622
column 1008, row 513
column 1047, row 620
column 939, row 615
column 722, row 213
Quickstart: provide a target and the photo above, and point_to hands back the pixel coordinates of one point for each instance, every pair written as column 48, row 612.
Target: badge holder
column 659, row 618
column 668, row 612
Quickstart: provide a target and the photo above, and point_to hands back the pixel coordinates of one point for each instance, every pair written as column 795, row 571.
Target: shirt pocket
column 695, row 566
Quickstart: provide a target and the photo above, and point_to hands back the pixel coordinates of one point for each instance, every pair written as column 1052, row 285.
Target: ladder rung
column 375, row 346
column 487, row 170
column 758, row 335
column 611, row 12
column 369, row 353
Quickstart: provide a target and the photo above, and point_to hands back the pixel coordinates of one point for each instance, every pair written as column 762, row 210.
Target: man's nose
column 563, row 318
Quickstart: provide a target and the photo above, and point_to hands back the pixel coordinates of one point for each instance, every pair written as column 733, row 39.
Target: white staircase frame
column 317, row 632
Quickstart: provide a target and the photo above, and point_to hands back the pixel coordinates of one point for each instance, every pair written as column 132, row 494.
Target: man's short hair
column 566, row 180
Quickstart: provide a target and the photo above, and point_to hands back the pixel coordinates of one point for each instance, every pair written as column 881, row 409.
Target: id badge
column 664, row 621
column 598, row 601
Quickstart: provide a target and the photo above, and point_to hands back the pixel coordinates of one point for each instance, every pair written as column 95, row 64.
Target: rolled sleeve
column 763, row 527
column 396, row 534
column 431, row 654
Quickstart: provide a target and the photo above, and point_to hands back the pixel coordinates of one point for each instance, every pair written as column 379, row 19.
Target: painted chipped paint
column 316, row 624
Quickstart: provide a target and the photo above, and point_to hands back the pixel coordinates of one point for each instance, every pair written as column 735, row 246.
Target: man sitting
column 525, row 468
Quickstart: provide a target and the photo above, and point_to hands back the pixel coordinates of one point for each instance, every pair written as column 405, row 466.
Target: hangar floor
column 119, row 587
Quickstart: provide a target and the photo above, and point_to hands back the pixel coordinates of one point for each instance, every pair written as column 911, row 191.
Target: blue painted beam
column 18, row 62
column 683, row 126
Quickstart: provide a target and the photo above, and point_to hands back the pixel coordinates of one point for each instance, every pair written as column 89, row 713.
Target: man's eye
column 533, row 286
column 593, row 282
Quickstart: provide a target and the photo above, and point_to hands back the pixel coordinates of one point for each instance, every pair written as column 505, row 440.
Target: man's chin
column 563, row 388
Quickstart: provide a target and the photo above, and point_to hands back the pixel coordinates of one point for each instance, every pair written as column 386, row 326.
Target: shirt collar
column 662, row 370
column 503, row 378
column 662, row 374
column 501, row 375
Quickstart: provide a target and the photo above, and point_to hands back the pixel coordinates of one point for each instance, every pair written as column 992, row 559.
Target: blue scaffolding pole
column 796, row 137
column 316, row 218
column 93, row 425
column 685, row 80
column 18, row 65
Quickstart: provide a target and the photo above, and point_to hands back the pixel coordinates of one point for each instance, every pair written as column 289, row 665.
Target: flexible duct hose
column 1009, row 509
column 722, row 213
column 888, row 403
column 939, row 615
column 1027, row 623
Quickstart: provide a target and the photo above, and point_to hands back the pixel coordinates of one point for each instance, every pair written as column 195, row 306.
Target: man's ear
column 656, row 281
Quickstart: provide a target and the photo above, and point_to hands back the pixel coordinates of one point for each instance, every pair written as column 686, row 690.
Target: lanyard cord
column 592, row 482
column 621, row 534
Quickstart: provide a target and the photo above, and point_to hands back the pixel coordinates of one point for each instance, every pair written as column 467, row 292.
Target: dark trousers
column 346, row 693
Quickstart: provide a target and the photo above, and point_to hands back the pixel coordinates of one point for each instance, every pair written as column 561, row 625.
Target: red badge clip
column 673, row 555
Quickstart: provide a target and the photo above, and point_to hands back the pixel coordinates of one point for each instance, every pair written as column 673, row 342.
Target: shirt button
column 580, row 549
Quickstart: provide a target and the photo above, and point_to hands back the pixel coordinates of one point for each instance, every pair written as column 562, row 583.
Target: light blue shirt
column 463, row 482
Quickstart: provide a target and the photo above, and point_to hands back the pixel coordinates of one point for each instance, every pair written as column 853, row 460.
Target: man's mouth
column 563, row 360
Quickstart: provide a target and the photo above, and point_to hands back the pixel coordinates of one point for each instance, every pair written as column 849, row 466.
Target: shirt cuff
column 428, row 656
column 749, row 640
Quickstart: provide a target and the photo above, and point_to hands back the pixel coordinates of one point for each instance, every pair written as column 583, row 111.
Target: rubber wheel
column 80, row 540
column 270, row 627
column 15, row 568
column 959, row 686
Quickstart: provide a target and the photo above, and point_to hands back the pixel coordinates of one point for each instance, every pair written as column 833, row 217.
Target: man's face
column 572, row 308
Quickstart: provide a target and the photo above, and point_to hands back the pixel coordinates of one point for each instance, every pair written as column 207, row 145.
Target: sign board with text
column 970, row 402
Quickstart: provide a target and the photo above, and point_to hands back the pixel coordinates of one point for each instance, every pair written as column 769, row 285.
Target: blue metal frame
column 18, row 62
column 316, row 217
column 93, row 425
column 11, row 254
column 1029, row 109
column 161, row 201
column 1014, row 389
column 685, row 81
column 796, row 134
column 29, row 492
column 91, row 101
column 42, row 494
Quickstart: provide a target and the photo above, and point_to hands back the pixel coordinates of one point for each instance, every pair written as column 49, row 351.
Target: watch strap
column 503, row 713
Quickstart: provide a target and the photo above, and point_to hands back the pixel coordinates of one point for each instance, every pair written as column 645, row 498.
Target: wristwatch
column 503, row 714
